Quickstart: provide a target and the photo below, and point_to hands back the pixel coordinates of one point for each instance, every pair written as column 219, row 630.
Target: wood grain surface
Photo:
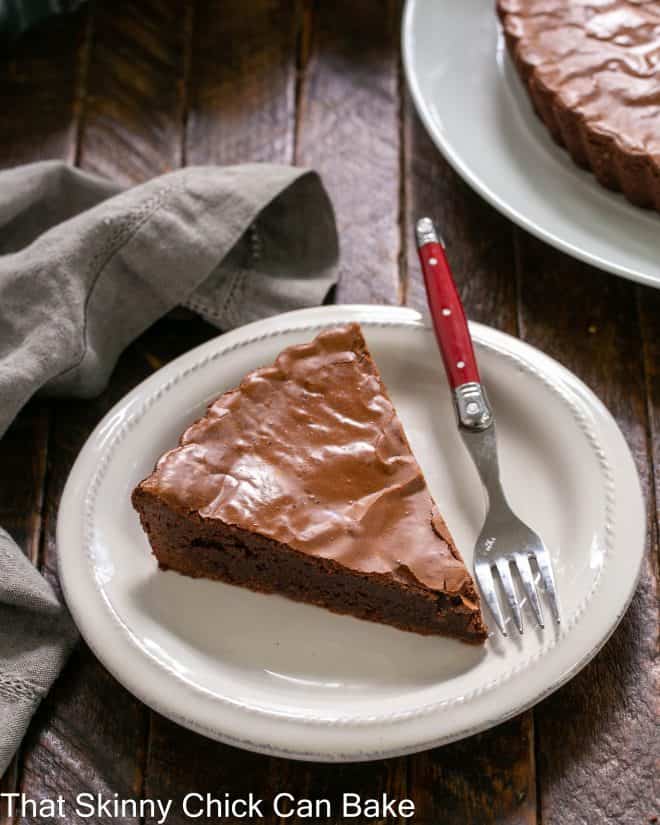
column 40, row 91
column 135, row 91
column 131, row 90
column 597, row 737
column 242, row 90
column 349, row 130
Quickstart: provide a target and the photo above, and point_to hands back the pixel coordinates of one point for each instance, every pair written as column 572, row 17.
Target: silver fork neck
column 482, row 446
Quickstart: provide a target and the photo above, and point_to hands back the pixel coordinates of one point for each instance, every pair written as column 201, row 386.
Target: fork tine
column 527, row 578
column 545, row 567
column 507, row 583
column 487, row 585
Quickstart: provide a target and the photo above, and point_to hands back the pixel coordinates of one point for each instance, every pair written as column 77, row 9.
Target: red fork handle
column 447, row 313
column 451, row 329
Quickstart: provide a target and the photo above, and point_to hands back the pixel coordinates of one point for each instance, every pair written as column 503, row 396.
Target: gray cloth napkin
column 84, row 269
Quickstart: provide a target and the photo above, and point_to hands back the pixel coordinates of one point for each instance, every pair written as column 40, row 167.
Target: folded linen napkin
column 84, row 269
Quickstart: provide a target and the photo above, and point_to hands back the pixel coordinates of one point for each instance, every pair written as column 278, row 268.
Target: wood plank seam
column 535, row 755
column 652, row 502
column 303, row 51
column 38, row 538
column 403, row 211
column 517, row 273
column 189, row 32
column 537, row 776
column 80, row 97
column 145, row 761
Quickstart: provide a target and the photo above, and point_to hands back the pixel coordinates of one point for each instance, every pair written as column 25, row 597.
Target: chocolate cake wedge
column 301, row 482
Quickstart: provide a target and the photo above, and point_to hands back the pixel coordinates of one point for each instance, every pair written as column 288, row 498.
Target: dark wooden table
column 133, row 89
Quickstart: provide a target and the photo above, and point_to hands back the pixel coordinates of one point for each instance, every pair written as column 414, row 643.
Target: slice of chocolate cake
column 301, row 482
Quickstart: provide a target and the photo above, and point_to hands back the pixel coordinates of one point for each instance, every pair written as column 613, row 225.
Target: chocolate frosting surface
column 601, row 58
column 310, row 452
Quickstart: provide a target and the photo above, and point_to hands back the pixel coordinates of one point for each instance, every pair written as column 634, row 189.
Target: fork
column 506, row 545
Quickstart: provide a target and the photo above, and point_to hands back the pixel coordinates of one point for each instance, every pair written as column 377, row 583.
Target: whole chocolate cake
column 592, row 71
column 301, row 482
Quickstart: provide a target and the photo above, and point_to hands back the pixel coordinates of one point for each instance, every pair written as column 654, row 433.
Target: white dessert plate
column 477, row 112
column 271, row 675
